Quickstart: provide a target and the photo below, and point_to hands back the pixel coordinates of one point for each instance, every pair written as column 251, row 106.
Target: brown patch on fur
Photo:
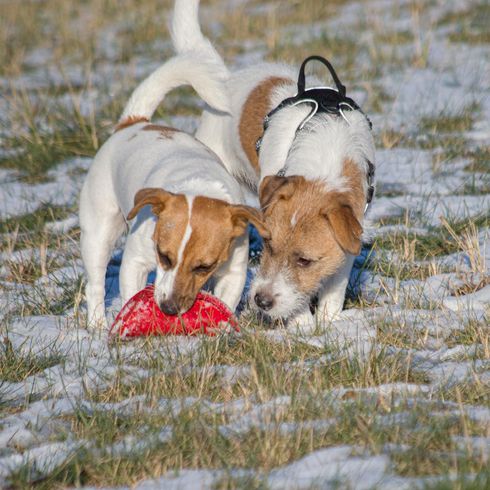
column 173, row 217
column 256, row 107
column 274, row 187
column 129, row 121
column 340, row 215
column 165, row 131
column 153, row 196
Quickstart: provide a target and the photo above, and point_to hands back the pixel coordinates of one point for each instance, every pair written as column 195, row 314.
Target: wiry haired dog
column 312, row 167
column 183, row 207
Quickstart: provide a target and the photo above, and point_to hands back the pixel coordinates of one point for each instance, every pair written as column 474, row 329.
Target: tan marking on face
column 309, row 223
column 170, row 228
column 129, row 121
column 165, row 131
column 256, row 107
column 310, row 237
column 215, row 224
column 208, row 247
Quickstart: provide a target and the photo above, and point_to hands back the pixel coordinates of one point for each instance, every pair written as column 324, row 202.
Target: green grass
column 38, row 151
column 298, row 370
column 474, row 332
column 395, row 37
column 42, row 301
column 36, row 221
column 474, row 392
column 470, row 25
column 436, row 242
column 28, row 236
column 403, row 270
column 452, row 145
column 196, row 441
column 18, row 364
column 467, row 36
column 399, row 219
column 51, row 131
column 449, row 123
column 244, row 22
column 252, row 482
column 377, row 97
column 342, row 51
column 480, row 160
column 404, row 254
column 77, row 41
column 478, row 481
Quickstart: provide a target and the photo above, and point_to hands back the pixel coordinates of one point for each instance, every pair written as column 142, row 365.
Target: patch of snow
column 330, row 466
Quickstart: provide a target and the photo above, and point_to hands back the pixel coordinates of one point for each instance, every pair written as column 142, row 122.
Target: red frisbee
column 141, row 316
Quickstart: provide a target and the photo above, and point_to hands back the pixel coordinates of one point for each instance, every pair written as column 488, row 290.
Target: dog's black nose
column 169, row 308
column 264, row 301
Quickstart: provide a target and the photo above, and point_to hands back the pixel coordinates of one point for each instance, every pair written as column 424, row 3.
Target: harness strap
column 370, row 182
column 302, row 78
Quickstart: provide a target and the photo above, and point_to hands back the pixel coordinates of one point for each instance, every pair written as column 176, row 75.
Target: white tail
column 197, row 64
column 186, row 32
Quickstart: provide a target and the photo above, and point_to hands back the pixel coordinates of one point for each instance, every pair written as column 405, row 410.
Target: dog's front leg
column 303, row 321
column 332, row 295
column 231, row 277
column 138, row 260
column 101, row 226
column 302, row 317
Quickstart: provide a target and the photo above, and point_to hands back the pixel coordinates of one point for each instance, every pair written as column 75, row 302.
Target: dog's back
column 149, row 155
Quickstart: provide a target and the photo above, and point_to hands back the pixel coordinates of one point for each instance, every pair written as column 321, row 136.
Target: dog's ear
column 345, row 226
column 155, row 197
column 242, row 215
column 276, row 187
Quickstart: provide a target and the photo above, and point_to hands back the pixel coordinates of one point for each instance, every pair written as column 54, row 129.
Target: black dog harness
column 323, row 100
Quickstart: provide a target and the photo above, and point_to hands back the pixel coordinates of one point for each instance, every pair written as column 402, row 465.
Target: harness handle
column 321, row 59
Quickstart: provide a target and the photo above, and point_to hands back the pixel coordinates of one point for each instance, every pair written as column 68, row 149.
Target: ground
column 395, row 394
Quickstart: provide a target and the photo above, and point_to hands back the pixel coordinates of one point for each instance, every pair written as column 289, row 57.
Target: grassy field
column 396, row 393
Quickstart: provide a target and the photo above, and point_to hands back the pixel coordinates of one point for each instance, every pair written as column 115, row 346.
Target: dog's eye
column 203, row 269
column 304, row 262
column 164, row 259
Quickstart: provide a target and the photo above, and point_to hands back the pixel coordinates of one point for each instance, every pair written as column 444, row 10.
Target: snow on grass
column 393, row 394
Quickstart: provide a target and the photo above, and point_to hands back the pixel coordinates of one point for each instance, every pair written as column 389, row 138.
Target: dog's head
column 312, row 229
column 193, row 236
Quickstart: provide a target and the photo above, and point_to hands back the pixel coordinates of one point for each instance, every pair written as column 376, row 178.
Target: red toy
column 141, row 316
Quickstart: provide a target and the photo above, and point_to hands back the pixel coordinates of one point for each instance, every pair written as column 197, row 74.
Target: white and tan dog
column 196, row 228
column 313, row 183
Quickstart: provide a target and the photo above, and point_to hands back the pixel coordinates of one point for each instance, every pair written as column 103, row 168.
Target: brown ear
column 346, row 227
column 274, row 186
column 242, row 215
column 149, row 196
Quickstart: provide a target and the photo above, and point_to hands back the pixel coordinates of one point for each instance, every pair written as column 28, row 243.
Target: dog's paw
column 97, row 324
column 304, row 322
column 220, row 328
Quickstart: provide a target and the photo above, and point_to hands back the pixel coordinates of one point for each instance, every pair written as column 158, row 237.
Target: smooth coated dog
column 183, row 208
column 311, row 183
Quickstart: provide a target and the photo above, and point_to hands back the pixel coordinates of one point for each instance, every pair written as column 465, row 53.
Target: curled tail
column 196, row 64
column 186, row 33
